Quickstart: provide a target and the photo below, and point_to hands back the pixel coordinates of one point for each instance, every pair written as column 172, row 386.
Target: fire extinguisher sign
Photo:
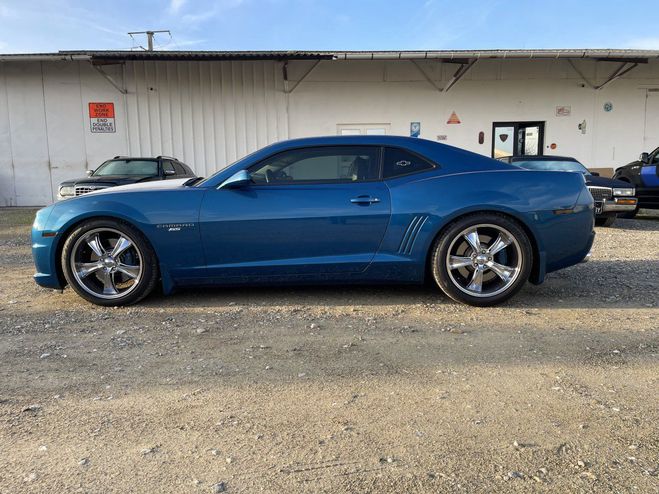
column 101, row 118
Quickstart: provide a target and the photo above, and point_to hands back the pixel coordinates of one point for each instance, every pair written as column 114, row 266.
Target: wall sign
column 453, row 119
column 101, row 118
column 563, row 111
column 415, row 129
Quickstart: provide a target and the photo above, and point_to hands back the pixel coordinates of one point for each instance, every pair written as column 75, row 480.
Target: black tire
column 520, row 254
column 605, row 221
column 88, row 285
column 630, row 215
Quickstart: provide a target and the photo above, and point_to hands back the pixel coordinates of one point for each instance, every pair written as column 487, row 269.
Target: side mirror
column 644, row 158
column 595, row 174
column 238, row 179
column 89, row 172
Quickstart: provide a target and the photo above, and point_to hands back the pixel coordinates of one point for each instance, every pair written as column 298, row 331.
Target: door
column 517, row 139
column 308, row 212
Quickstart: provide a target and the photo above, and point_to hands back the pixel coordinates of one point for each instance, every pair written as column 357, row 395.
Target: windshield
column 553, row 166
column 133, row 168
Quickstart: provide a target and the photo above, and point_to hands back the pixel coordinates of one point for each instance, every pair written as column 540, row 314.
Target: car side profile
column 125, row 170
column 339, row 209
column 644, row 176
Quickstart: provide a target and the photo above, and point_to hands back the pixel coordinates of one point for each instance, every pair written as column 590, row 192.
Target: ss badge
column 403, row 163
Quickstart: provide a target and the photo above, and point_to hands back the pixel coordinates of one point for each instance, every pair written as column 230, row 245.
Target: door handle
column 364, row 200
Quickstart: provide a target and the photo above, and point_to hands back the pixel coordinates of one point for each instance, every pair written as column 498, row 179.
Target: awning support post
column 462, row 70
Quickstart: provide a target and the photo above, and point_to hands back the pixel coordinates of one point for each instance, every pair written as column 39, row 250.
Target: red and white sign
column 453, row 119
column 101, row 118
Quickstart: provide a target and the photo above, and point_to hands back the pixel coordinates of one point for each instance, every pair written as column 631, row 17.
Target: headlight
column 623, row 192
column 67, row 191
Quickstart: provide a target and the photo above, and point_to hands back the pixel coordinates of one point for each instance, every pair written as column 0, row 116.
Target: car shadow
column 611, row 284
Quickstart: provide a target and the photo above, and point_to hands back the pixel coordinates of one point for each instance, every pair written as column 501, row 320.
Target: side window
column 180, row 171
column 321, row 164
column 168, row 169
column 400, row 162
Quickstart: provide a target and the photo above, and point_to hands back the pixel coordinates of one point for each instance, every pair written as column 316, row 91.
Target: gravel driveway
column 385, row 389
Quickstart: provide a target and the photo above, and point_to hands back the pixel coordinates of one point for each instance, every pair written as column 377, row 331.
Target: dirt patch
column 341, row 389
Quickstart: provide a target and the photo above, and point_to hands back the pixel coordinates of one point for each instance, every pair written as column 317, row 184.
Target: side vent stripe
column 416, row 234
column 408, row 231
column 411, row 233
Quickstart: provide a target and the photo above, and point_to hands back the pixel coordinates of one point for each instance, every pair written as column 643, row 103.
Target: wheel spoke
column 474, row 240
column 107, row 279
column 499, row 244
column 95, row 245
column 120, row 247
column 84, row 269
column 130, row 271
column 456, row 262
column 503, row 272
column 476, row 283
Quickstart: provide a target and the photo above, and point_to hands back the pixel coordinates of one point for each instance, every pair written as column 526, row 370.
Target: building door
column 517, row 139
column 651, row 134
column 363, row 129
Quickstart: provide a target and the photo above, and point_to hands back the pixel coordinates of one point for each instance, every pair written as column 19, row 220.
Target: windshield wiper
column 192, row 181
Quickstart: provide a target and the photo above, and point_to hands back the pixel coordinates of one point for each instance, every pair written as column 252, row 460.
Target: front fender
column 168, row 219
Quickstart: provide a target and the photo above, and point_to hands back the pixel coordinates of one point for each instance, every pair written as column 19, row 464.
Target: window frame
column 379, row 154
column 434, row 166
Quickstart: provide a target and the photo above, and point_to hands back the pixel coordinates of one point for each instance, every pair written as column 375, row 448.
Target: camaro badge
column 175, row 227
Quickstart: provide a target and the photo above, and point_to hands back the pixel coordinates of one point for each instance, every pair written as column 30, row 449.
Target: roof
column 459, row 56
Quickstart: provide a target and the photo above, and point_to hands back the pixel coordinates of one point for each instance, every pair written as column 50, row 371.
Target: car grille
column 84, row 189
column 601, row 193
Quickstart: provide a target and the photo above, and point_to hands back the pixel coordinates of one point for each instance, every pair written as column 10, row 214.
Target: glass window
column 180, row 171
column 400, row 162
column 138, row 168
column 322, row 164
column 167, row 166
column 550, row 165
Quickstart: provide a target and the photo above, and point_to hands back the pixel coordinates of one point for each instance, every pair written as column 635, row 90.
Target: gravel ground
column 387, row 389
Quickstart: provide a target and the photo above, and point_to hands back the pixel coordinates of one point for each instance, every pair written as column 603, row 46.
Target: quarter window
column 400, row 162
column 321, row 164
column 168, row 167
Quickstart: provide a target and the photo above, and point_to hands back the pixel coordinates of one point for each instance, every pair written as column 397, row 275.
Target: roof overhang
column 451, row 56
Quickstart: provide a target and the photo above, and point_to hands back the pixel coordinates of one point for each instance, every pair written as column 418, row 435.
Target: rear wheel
column 108, row 262
column 482, row 259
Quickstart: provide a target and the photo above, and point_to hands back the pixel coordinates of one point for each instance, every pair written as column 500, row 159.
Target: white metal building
column 210, row 108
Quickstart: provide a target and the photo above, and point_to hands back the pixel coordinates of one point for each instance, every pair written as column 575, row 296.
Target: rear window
column 400, row 162
column 138, row 168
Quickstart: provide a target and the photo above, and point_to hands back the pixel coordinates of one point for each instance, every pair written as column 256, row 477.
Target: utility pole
column 149, row 37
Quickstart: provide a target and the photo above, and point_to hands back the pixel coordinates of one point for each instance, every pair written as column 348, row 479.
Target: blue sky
column 44, row 26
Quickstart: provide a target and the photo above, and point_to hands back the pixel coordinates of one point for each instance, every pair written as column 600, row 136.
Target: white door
column 363, row 129
column 651, row 135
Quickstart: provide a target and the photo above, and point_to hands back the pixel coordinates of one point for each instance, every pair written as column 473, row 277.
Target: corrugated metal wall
column 207, row 114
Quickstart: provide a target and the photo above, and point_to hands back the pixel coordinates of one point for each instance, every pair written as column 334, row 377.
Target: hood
column 108, row 180
column 143, row 186
column 605, row 182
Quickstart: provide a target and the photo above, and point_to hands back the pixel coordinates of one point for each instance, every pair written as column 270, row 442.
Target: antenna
column 149, row 37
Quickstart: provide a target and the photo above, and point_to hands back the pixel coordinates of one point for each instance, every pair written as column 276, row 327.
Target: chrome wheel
column 106, row 263
column 484, row 260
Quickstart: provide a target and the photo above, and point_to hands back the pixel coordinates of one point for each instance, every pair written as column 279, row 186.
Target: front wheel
column 605, row 221
column 109, row 262
column 482, row 259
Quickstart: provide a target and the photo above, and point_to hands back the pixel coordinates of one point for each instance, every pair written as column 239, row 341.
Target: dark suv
column 125, row 170
column 644, row 176
column 612, row 197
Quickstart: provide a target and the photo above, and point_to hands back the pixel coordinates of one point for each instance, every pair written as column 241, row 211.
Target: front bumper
column 619, row 204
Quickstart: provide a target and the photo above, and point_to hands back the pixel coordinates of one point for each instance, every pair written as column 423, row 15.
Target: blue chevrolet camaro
column 342, row 209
